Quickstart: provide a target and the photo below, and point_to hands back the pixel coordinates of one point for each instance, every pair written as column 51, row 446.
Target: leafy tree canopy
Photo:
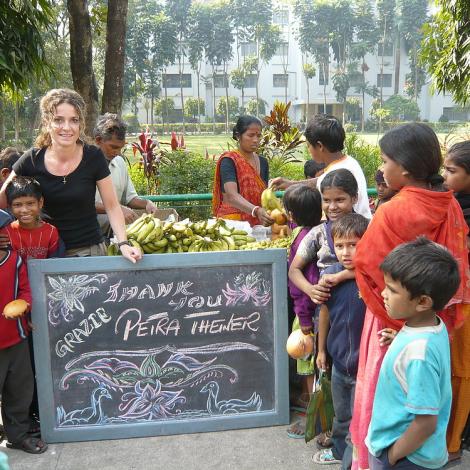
column 445, row 49
column 22, row 55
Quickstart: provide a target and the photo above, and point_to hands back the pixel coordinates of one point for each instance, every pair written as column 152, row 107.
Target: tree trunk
column 2, row 120
column 308, row 102
column 257, row 93
column 115, row 57
column 17, row 123
column 227, row 105
column 213, row 99
column 81, row 59
column 198, row 101
column 181, row 69
column 324, row 88
column 396, row 88
column 243, row 101
column 165, row 108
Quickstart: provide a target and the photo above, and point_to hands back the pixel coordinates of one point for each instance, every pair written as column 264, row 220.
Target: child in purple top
column 303, row 206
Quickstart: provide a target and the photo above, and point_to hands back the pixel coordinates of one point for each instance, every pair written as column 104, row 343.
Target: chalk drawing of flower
column 149, row 402
column 67, row 295
column 250, row 287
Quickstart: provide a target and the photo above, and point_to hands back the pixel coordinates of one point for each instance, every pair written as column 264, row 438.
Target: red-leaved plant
column 152, row 158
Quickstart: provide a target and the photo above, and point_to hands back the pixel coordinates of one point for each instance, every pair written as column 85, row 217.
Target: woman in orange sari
column 411, row 162
column 241, row 176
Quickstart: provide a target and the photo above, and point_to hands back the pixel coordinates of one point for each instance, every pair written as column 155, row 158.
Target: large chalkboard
column 176, row 344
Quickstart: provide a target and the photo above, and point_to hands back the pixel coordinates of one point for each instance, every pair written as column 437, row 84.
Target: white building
column 286, row 65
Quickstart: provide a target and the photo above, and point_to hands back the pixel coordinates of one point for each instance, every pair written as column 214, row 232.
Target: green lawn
column 216, row 144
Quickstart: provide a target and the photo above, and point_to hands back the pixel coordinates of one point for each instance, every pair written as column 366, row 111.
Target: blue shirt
column 414, row 380
column 346, row 310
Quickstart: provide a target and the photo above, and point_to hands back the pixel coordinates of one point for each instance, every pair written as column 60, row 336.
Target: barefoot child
column 413, row 396
column 304, row 208
column 16, row 377
column 457, row 178
column 339, row 335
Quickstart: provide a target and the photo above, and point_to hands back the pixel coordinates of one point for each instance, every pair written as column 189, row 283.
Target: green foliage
column 22, row 49
column 164, row 106
column 132, row 122
column 280, row 139
column 445, row 49
column 189, row 173
column 402, row 109
column 191, row 107
column 251, row 106
column 234, row 110
column 309, row 71
column 367, row 155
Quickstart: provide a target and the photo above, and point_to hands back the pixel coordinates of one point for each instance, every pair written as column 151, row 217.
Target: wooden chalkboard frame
column 38, row 269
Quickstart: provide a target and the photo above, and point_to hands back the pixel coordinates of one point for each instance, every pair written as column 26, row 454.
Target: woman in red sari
column 241, row 176
column 411, row 162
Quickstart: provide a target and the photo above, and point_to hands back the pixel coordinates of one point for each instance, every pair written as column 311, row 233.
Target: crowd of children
column 389, row 292
column 382, row 296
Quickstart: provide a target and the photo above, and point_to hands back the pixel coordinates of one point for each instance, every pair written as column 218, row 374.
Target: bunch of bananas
column 269, row 201
column 265, row 244
column 153, row 236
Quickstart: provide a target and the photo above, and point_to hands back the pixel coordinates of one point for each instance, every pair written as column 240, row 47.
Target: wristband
column 253, row 211
column 125, row 242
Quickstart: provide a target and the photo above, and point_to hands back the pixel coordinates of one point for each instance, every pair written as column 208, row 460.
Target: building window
column 220, row 81
column 387, row 50
column 248, row 49
column 282, row 50
column 323, row 75
column 281, row 17
column 280, row 80
column 356, row 80
column 250, row 81
column 172, row 80
column 456, row 113
column 384, row 80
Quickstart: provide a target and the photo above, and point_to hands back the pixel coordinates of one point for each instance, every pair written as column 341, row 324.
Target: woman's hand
column 319, row 294
column 322, row 363
column 386, row 336
column 131, row 253
column 263, row 217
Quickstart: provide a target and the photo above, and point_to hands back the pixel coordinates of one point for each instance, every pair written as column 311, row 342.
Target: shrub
column 367, row 155
column 132, row 122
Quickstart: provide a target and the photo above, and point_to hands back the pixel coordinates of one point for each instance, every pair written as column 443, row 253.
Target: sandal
column 325, row 457
column 31, row 445
column 324, row 439
column 296, row 431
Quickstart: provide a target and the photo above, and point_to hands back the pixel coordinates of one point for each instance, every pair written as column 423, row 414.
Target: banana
column 230, row 242
column 145, row 231
column 112, row 250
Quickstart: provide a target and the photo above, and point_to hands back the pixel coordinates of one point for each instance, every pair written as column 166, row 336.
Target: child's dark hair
column 416, row 148
column 8, row 157
column 459, row 153
column 327, row 130
column 304, row 203
column 22, row 186
column 423, row 267
column 350, row 225
column 311, row 168
column 242, row 125
column 342, row 179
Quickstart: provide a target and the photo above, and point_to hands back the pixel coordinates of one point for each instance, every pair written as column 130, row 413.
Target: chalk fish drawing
column 250, row 287
column 232, row 406
column 92, row 414
column 150, row 390
column 67, row 294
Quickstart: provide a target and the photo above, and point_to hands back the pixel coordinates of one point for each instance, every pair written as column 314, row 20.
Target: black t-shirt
column 228, row 172
column 70, row 206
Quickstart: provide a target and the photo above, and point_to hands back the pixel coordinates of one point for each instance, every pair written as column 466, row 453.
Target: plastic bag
column 320, row 412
